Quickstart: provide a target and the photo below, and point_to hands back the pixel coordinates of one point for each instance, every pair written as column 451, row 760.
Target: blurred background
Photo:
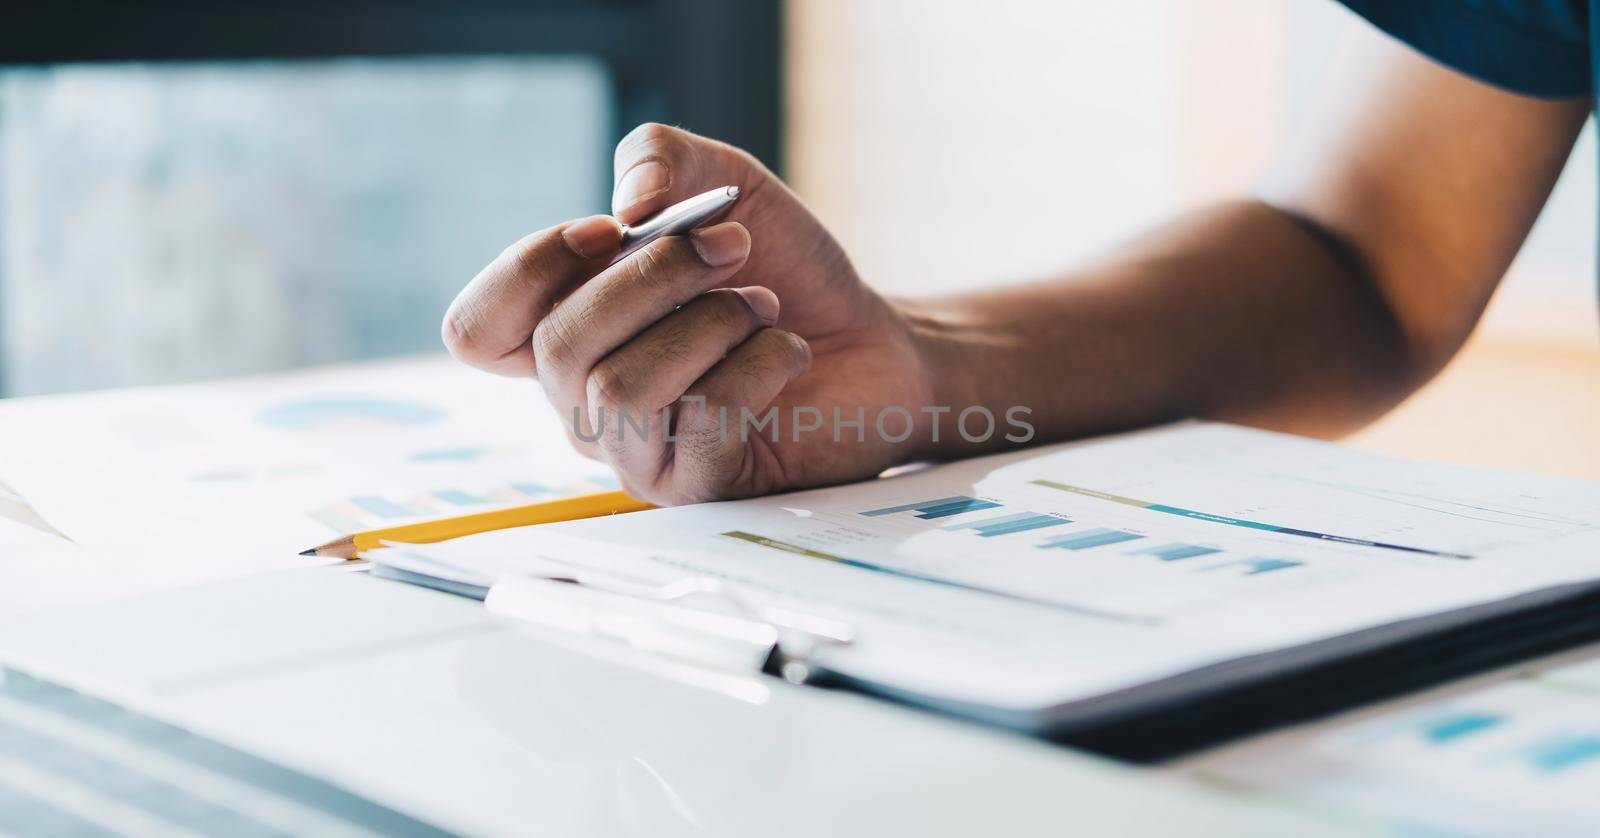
column 198, row 190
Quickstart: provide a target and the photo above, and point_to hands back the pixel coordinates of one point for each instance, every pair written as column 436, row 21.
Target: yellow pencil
column 440, row 529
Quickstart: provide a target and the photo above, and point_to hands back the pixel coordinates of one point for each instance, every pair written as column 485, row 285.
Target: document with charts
column 1525, row 750
column 251, row 471
column 1063, row 588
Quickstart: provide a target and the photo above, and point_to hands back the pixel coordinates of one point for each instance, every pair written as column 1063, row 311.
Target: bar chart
column 1214, row 518
column 1071, row 550
column 362, row 512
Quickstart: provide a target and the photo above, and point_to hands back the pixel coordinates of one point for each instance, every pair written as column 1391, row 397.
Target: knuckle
column 469, row 341
column 667, row 266
column 552, row 345
column 582, row 446
column 462, row 333
column 611, row 386
column 653, row 263
column 700, row 471
column 649, row 268
column 457, row 334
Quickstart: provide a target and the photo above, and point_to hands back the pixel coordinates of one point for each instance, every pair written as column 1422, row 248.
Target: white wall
column 987, row 125
column 950, row 143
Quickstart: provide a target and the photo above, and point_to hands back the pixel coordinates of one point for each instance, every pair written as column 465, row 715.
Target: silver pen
column 677, row 219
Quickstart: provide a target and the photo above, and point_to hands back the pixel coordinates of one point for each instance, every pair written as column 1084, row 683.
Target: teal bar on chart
column 1177, row 552
column 1456, row 725
column 382, row 507
column 1098, row 537
column 459, row 498
column 936, row 508
column 1253, row 567
column 1007, row 524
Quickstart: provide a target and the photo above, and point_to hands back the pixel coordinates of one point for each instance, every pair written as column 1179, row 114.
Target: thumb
column 658, row 165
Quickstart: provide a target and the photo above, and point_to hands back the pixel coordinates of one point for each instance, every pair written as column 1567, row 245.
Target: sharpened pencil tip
column 311, row 552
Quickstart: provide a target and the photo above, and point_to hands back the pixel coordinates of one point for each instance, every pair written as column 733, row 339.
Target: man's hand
column 1311, row 316
column 759, row 311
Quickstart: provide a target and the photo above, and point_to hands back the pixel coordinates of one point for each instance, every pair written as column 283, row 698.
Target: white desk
column 428, row 704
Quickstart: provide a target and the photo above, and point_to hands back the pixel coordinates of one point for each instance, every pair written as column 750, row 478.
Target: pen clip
column 655, row 617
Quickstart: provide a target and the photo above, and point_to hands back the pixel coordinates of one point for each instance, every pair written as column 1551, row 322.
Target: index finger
column 490, row 322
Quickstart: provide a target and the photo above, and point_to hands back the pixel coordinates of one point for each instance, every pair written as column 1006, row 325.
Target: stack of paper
column 1142, row 594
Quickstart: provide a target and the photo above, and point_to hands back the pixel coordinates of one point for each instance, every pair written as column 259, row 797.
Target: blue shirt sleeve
column 1534, row 47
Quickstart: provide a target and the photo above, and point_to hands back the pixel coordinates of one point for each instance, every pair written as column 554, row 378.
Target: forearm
column 1239, row 313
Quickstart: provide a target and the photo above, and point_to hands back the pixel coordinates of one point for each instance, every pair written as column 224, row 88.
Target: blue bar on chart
column 1176, row 552
column 382, row 507
column 1564, row 752
column 459, row 498
column 1252, row 567
column 1007, row 524
column 1452, row 726
column 1098, row 537
column 936, row 508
